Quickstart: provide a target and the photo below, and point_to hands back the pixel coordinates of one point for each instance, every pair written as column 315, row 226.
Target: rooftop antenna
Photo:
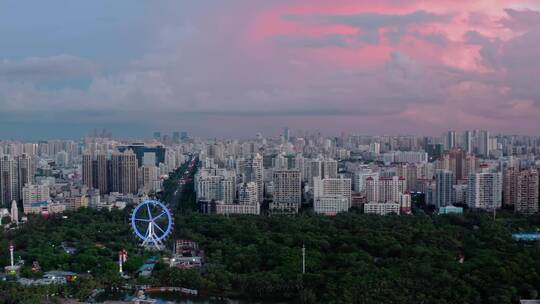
column 11, row 248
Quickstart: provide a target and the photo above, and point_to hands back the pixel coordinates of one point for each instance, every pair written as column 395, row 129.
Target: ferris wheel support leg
column 152, row 240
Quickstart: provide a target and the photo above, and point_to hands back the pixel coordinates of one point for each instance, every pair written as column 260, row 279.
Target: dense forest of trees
column 350, row 258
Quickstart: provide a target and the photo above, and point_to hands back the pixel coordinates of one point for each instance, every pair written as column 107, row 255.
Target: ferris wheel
column 152, row 222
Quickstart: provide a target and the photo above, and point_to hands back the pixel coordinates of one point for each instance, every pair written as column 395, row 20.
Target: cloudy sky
column 234, row 67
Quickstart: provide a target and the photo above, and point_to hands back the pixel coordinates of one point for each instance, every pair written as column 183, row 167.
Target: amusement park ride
column 152, row 222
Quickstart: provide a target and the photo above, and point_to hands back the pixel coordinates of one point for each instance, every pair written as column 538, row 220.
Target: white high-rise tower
column 14, row 212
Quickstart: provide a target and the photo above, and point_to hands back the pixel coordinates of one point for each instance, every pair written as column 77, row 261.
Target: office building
column 444, row 191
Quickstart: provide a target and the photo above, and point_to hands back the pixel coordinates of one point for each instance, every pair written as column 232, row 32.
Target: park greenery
column 350, row 258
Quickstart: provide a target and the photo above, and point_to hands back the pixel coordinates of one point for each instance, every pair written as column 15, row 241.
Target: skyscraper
column 468, row 142
column 100, row 171
column 124, row 172
column 14, row 212
column 444, row 191
column 87, row 170
column 26, row 172
column 8, row 180
column 483, row 143
column 450, row 140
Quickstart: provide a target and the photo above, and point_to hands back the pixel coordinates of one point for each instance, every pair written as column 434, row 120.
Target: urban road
column 184, row 179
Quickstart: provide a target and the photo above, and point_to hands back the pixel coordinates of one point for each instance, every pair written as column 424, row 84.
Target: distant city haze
column 234, row 68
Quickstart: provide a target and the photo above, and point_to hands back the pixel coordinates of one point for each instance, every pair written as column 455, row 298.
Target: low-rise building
column 382, row 208
column 450, row 210
column 330, row 204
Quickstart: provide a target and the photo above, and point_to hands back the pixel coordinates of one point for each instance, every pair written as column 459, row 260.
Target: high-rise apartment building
column 321, row 168
column 359, row 179
column 247, row 194
column 527, row 200
column 215, row 184
column 287, row 189
column 331, row 195
column 385, row 189
column 124, row 172
column 329, row 168
column 410, row 173
column 253, row 172
column 484, row 190
column 100, row 170
column 96, row 172
column 15, row 173
column 87, row 170
column 510, row 185
column 9, row 180
column 26, row 172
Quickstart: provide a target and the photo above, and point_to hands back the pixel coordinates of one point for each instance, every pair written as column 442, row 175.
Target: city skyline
column 169, row 135
column 276, row 151
column 237, row 67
